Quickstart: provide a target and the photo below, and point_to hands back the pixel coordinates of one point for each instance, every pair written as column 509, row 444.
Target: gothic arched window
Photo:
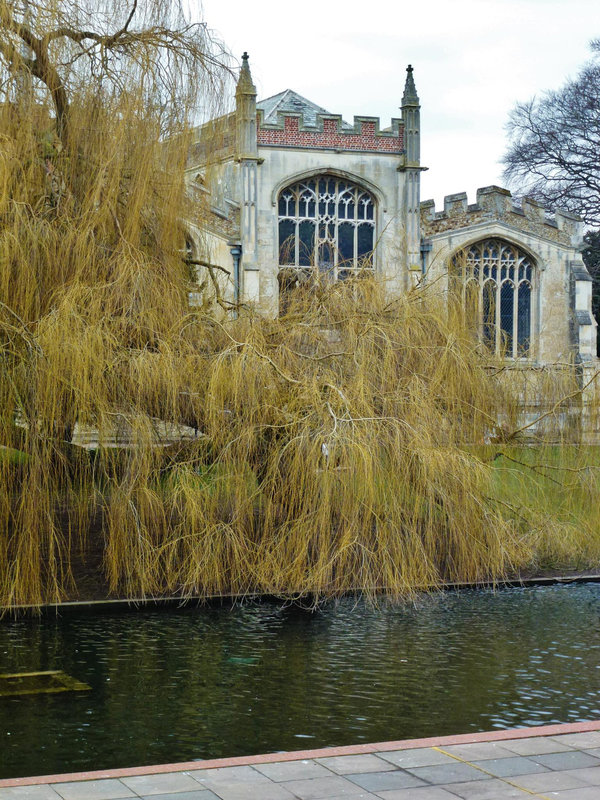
column 326, row 223
column 495, row 280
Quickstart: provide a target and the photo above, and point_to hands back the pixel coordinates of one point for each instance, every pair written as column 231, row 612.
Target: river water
column 204, row 682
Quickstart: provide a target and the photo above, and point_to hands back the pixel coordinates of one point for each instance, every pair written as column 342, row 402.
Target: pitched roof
column 289, row 101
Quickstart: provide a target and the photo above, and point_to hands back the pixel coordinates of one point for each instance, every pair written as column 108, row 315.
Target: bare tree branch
column 554, row 145
column 195, row 262
column 163, row 49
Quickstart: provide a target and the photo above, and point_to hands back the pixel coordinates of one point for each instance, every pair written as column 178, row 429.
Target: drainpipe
column 426, row 248
column 236, row 254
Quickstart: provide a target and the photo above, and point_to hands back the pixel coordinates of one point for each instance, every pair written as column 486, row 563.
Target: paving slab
column 507, row 767
column 419, row 793
column 243, row 774
column 361, row 796
column 548, row 781
column 589, row 776
column 575, row 759
column 589, row 793
column 441, row 774
column 319, row 788
column 583, row 741
column 161, row 784
column 346, row 765
column 109, row 789
column 251, row 791
column 292, row 770
column 488, row 789
column 381, row 781
column 478, row 751
column 28, row 793
column 535, row 745
column 420, row 757
column 201, row 794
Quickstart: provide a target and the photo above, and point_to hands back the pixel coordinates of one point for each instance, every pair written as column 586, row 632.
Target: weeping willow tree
column 324, row 453
column 96, row 105
column 316, row 453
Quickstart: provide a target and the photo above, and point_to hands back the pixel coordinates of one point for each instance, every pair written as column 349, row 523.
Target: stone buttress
column 247, row 158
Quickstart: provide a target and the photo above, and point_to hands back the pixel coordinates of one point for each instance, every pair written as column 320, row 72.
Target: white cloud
column 473, row 60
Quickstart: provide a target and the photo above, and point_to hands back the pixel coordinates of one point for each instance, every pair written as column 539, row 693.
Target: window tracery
column 495, row 279
column 326, row 223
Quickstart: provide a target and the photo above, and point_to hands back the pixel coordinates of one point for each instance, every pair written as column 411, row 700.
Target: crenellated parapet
column 562, row 326
column 494, row 204
column 213, row 142
column 329, row 131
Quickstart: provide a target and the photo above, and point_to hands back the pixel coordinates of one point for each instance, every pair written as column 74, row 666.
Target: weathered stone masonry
column 494, row 203
column 286, row 145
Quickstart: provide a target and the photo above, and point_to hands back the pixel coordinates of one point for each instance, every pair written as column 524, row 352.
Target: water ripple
column 199, row 683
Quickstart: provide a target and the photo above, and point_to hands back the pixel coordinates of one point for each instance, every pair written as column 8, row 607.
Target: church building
column 290, row 188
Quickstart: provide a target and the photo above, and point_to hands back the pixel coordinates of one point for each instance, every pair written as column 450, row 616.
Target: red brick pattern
column 331, row 137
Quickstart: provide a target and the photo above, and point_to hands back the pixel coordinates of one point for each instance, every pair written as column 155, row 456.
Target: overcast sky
column 473, row 59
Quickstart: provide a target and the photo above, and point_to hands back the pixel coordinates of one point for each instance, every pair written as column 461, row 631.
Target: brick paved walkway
column 559, row 761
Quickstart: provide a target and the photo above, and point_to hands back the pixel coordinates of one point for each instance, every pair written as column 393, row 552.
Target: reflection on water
column 202, row 683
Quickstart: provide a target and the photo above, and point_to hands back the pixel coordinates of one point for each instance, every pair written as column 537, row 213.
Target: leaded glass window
column 326, row 224
column 495, row 280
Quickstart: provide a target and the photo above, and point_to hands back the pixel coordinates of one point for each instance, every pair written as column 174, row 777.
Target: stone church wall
column 263, row 148
column 376, row 173
column 554, row 242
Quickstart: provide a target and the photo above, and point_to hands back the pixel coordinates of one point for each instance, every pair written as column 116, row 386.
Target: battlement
column 329, row 131
column 496, row 203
